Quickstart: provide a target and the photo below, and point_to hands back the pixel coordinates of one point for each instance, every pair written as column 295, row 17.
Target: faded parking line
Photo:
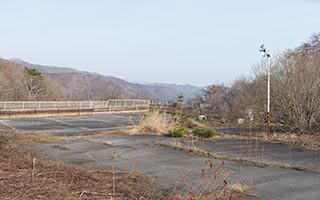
column 5, row 124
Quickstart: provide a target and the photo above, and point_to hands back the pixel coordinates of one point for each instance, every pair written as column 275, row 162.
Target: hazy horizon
column 170, row 41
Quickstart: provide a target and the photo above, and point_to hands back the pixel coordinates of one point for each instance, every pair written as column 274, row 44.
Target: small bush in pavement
column 204, row 132
column 177, row 132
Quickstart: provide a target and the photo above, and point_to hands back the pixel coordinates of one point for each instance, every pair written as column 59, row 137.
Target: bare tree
column 220, row 97
column 11, row 84
column 296, row 92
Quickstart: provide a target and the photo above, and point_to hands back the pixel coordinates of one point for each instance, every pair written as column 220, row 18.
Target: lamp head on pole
column 264, row 52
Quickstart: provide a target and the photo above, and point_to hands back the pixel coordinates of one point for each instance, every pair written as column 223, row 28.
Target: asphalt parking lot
column 166, row 166
column 74, row 125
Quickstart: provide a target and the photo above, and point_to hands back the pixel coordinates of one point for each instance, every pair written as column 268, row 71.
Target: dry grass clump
column 62, row 147
column 213, row 186
column 152, row 123
column 227, row 192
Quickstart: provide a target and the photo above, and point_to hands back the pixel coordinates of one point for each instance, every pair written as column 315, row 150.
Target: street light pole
column 265, row 53
column 268, row 102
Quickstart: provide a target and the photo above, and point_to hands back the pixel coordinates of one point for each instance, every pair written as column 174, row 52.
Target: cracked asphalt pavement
column 165, row 166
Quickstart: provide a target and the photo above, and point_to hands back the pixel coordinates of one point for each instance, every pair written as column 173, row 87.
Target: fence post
column 149, row 105
column 108, row 105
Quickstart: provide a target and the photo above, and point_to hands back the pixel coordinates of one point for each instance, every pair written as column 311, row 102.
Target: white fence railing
column 111, row 104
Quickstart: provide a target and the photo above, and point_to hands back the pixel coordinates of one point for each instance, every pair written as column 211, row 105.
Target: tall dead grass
column 154, row 122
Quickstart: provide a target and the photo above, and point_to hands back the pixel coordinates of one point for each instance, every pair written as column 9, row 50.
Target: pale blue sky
column 198, row 42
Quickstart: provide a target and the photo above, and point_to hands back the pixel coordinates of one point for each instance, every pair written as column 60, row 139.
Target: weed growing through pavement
column 204, row 132
column 116, row 145
column 212, row 184
column 62, row 147
column 62, row 144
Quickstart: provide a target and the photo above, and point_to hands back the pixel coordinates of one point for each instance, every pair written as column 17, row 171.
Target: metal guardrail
column 109, row 105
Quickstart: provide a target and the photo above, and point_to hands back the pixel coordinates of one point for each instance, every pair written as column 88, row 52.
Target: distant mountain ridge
column 46, row 69
column 81, row 85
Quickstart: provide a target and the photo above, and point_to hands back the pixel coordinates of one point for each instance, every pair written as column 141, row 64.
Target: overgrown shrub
column 204, row 132
column 178, row 132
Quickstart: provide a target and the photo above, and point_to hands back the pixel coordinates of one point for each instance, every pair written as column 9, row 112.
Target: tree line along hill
column 18, row 83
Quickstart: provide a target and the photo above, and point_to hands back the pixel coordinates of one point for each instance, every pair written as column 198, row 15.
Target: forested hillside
column 23, row 83
column 70, row 84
